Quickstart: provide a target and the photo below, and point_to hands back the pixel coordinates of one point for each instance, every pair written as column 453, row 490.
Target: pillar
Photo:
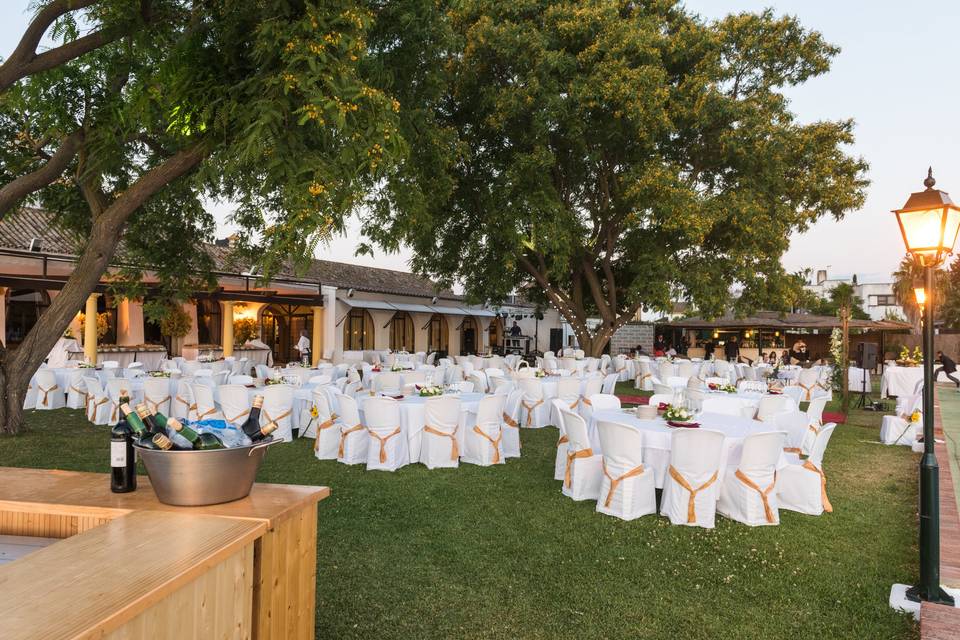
column 316, row 339
column 329, row 321
column 90, row 329
column 227, row 328
column 129, row 323
column 3, row 316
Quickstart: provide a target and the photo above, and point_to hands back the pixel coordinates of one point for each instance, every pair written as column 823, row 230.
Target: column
column 329, row 321
column 316, row 339
column 90, row 329
column 129, row 323
column 227, row 328
column 3, row 316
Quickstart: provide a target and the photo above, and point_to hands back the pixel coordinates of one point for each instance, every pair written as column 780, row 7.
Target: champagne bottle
column 148, row 420
column 162, row 442
column 141, row 434
column 252, row 426
column 201, row 441
column 123, row 462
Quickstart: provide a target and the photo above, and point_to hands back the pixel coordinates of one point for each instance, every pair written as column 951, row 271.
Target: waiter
column 948, row 366
column 303, row 346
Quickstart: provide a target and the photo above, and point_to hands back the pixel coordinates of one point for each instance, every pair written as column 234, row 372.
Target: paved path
column 949, row 401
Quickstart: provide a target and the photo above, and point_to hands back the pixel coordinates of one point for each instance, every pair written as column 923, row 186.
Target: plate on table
column 683, row 425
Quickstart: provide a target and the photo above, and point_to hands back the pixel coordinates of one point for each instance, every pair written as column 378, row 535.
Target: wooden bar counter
column 243, row 569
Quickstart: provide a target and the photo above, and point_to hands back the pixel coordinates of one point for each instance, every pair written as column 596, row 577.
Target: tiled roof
column 18, row 229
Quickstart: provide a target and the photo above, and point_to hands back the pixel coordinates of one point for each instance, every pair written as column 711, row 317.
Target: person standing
column 948, row 366
column 303, row 346
column 732, row 349
column 515, row 329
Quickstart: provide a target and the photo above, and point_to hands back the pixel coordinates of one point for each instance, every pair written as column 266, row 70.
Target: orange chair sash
column 343, row 437
column 615, row 482
column 496, row 443
column 510, row 422
column 764, row 493
column 454, row 448
column 691, row 505
column 326, row 424
column 46, row 393
column 383, row 442
column 571, row 456
column 823, row 485
column 530, row 409
column 156, row 403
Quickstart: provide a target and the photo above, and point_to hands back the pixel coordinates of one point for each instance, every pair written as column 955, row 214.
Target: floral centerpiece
column 272, row 381
column 158, row 374
column 728, row 388
column 86, row 365
column 677, row 414
column 908, row 359
column 430, row 391
column 540, row 373
column 395, row 368
column 207, row 357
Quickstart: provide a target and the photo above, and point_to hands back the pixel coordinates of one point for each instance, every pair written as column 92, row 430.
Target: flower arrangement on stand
column 836, row 354
column 907, row 359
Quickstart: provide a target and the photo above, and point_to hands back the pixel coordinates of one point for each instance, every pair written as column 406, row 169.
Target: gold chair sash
column 156, row 403
column 575, row 403
column 276, row 420
column 563, row 440
column 454, row 448
column 210, row 411
column 510, row 422
column 237, row 417
column 615, row 482
column 46, row 393
column 692, row 505
column 383, row 442
column 571, row 456
column 496, row 443
column 587, row 402
column 92, row 415
column 795, row 450
column 326, row 424
column 343, row 437
column 823, row 485
column 764, row 493
column 530, row 409
column 82, row 392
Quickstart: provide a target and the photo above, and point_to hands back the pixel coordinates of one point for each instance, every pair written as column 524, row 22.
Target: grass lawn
column 499, row 553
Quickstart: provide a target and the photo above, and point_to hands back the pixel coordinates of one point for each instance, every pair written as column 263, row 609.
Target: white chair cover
column 802, row 486
column 483, row 443
column 206, row 406
column 387, row 450
column 627, row 489
column 234, row 403
column 49, row 393
column 76, row 391
column 353, row 441
column 278, row 407
column 749, row 495
column 117, row 388
column 156, row 395
column 583, row 471
column 440, row 441
column 98, row 403
column 535, row 411
column 690, row 488
column 560, row 460
column 511, row 424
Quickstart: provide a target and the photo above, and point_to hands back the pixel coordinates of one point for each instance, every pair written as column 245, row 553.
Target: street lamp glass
column 921, row 295
column 929, row 222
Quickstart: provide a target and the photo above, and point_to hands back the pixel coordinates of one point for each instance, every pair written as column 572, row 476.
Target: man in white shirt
column 303, row 346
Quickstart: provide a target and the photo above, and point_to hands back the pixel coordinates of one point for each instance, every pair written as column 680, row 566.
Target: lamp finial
column 929, row 182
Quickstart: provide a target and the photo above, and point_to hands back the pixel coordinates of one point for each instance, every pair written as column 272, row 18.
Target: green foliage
column 173, row 320
column 910, row 275
column 841, row 295
column 244, row 330
column 605, row 155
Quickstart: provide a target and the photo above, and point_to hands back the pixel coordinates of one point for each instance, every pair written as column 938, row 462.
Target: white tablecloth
column 899, row 381
column 412, row 418
column 658, row 438
column 713, row 400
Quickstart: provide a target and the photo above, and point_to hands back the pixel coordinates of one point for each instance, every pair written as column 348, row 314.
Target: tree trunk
column 18, row 366
column 845, row 357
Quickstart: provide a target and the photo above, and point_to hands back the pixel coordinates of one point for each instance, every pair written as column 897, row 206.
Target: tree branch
column 23, row 186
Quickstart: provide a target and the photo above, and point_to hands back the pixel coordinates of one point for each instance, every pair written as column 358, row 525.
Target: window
column 209, row 322
column 401, row 332
column 358, row 330
column 438, row 334
column 885, row 301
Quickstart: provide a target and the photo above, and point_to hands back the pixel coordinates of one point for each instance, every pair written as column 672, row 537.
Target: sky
column 897, row 77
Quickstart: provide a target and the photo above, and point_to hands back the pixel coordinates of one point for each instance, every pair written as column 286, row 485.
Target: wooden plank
column 47, row 490
column 97, row 581
column 17, row 546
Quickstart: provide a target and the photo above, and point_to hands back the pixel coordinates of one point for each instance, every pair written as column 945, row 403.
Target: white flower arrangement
column 209, row 357
column 677, row 414
column 158, row 374
column 431, row 391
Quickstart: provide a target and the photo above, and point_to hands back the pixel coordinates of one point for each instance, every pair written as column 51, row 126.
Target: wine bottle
column 162, row 442
column 201, row 441
column 123, row 462
column 252, row 426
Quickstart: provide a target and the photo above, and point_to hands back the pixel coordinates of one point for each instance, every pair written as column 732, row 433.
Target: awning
column 482, row 313
column 412, row 308
column 451, row 311
column 367, row 304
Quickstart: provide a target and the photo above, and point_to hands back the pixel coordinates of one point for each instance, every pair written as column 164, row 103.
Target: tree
column 910, row 275
column 842, row 295
column 122, row 132
column 607, row 156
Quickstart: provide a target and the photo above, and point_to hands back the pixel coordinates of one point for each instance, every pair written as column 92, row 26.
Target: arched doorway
column 358, row 330
column 209, row 321
column 24, row 307
column 495, row 334
column 469, row 336
column 438, row 335
column 280, row 326
column 401, row 332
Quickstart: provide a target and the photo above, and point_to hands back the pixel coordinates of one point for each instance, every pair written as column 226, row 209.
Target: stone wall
column 630, row 335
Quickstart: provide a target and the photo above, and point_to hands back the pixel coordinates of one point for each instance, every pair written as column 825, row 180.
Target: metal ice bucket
column 197, row 478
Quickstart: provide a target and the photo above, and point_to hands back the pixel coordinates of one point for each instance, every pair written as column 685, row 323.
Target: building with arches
column 348, row 311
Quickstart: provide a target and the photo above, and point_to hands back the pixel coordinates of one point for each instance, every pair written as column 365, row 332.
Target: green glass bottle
column 162, row 442
column 200, row 441
column 141, row 434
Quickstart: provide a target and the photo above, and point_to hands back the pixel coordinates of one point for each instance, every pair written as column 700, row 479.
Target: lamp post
column 929, row 222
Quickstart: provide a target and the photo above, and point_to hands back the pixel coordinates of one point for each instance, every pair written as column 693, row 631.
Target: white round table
column 900, row 381
column 658, row 438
